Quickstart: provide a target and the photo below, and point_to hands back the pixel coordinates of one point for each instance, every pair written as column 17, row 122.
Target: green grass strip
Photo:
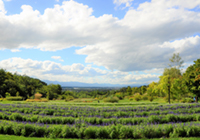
column 10, row 137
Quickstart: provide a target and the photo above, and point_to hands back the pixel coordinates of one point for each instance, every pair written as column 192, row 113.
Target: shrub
column 119, row 95
column 131, row 99
column 145, row 97
column 137, row 97
column 69, row 98
column 1, row 99
column 189, row 100
column 150, row 98
column 37, row 100
column 17, row 94
column 111, row 99
column 44, row 100
column 13, row 98
column 7, row 94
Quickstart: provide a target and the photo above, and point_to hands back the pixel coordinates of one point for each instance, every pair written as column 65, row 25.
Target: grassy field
column 7, row 137
column 130, row 115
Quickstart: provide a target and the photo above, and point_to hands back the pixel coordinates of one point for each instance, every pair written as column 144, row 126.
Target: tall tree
column 2, row 82
column 171, row 73
column 129, row 90
column 192, row 76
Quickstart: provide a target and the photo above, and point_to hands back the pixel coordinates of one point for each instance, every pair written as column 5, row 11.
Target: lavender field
column 124, row 122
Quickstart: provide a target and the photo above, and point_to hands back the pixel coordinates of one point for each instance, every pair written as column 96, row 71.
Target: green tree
column 169, row 74
column 53, row 90
column 135, row 90
column 151, row 91
column 176, row 61
column 179, row 88
column 2, row 82
column 192, row 76
column 129, row 90
column 143, row 89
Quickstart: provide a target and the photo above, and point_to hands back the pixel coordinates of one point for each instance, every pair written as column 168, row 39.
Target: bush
column 13, row 98
column 44, row 100
column 119, row 95
column 37, row 100
column 150, row 98
column 111, row 99
column 145, row 97
column 186, row 100
column 131, row 99
column 137, row 97
column 1, row 99
column 69, row 98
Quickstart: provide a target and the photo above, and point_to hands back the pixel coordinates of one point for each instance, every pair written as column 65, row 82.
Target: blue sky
column 101, row 41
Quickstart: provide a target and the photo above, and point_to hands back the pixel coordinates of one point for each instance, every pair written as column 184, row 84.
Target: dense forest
column 173, row 85
column 25, row 86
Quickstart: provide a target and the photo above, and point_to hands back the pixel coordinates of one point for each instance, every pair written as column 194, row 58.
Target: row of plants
column 91, row 112
column 118, row 114
column 104, row 132
column 100, row 121
column 70, row 107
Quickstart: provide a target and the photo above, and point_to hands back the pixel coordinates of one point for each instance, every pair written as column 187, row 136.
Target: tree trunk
column 169, row 90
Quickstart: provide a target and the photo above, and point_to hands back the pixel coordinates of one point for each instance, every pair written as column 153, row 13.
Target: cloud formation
column 57, row 58
column 2, row 9
column 48, row 70
column 127, row 3
column 144, row 39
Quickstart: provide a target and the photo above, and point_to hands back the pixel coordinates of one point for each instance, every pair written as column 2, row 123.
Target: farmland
column 128, row 121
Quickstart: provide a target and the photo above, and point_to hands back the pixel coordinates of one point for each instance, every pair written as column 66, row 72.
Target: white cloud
column 130, row 44
column 57, row 0
column 57, row 58
column 127, row 3
column 2, row 9
column 48, row 70
column 15, row 50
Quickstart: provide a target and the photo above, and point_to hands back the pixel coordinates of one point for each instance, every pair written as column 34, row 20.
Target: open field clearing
column 100, row 122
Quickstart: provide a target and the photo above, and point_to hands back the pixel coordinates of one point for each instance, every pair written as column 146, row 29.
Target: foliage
column 69, row 98
column 151, row 90
column 18, row 85
column 137, row 97
column 17, row 94
column 192, row 78
column 119, row 95
column 151, row 98
column 37, row 100
column 145, row 97
column 187, row 100
column 143, row 90
column 111, row 99
column 7, row 94
column 14, row 98
column 129, row 90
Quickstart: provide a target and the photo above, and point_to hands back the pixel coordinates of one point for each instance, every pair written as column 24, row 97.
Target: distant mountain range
column 79, row 84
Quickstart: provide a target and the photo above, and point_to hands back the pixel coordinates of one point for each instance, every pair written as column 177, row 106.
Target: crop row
column 60, row 108
column 101, row 121
column 104, row 132
column 93, row 112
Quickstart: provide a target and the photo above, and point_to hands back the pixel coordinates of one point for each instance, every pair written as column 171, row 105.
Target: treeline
column 104, row 93
column 173, row 85
column 25, row 86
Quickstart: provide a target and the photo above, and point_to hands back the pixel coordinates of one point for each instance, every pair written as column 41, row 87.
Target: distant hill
column 79, row 84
